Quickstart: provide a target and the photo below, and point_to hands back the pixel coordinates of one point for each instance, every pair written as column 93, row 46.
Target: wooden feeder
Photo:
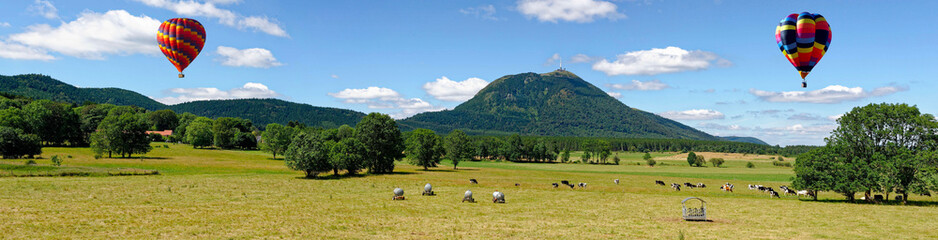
column 398, row 194
column 694, row 214
column 428, row 190
column 468, row 197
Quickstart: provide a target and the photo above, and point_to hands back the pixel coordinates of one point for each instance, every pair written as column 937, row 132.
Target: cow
column 752, row 187
column 805, row 193
column 565, row 182
column 773, row 194
column 690, row 185
column 617, row 181
column 517, row 184
column 676, row 187
column 555, row 185
column 926, row 194
column 582, row 185
column 769, row 189
column 659, row 182
column 701, row 185
column 571, row 186
column 727, row 188
column 789, row 191
column 473, row 181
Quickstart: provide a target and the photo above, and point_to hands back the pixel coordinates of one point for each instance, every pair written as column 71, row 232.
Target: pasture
column 248, row 195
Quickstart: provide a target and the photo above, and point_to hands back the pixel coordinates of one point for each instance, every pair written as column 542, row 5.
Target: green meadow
column 206, row 193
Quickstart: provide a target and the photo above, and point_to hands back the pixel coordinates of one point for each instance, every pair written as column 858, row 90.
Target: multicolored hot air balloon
column 181, row 40
column 803, row 39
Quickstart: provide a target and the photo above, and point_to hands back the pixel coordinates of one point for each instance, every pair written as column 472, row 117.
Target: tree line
column 878, row 148
column 26, row 125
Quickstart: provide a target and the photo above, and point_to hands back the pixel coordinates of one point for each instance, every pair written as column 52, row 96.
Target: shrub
column 165, row 145
column 717, row 162
column 651, row 162
column 700, row 161
column 97, row 156
column 31, row 162
column 781, row 164
column 780, row 158
column 750, row 165
column 56, row 161
column 616, row 159
column 69, row 156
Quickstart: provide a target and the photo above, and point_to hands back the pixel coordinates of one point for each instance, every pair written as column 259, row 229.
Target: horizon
column 405, row 58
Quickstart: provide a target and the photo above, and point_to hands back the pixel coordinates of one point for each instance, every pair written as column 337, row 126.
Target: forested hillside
column 551, row 104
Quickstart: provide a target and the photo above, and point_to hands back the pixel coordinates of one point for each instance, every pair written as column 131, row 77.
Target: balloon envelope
column 803, row 39
column 181, row 40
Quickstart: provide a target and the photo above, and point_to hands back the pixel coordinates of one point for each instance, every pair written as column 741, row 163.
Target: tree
column 307, row 153
column 199, row 132
column 824, row 169
column 883, row 145
column 691, row 159
column 184, row 120
column 347, row 154
column 382, row 140
column 700, row 161
column 514, row 148
column 458, row 147
column 603, row 150
column 344, row 131
column 646, row 156
column 163, row 119
column 276, row 138
column 750, row 165
column 717, row 162
column 14, row 143
column 651, row 162
column 91, row 116
column 225, row 130
column 55, row 123
column 566, row 156
column 424, row 148
column 124, row 134
column 586, row 157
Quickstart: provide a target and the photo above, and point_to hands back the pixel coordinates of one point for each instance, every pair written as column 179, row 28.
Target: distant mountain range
column 558, row 103
column 260, row 111
column 745, row 140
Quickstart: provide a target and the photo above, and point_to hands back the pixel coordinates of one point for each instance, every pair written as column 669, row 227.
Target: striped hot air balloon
column 803, row 39
column 181, row 40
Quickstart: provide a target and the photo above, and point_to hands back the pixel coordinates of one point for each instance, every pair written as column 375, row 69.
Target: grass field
column 248, row 195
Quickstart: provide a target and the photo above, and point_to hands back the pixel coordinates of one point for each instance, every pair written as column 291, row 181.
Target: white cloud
column 717, row 126
column 249, row 90
column 45, row 9
column 449, row 90
column 694, row 114
column 486, row 12
column 251, row 57
column 581, row 11
column 658, row 61
column 362, row 95
column 835, row 117
column 829, row 94
column 385, row 98
column 637, row 85
column 334, row 76
column 582, row 58
column 616, row 95
column 262, row 24
column 4, row 24
column 552, row 60
column 21, row 52
column 93, row 35
column 805, row 117
column 224, row 16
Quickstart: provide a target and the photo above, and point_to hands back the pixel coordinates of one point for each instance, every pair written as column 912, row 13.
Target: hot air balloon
column 181, row 40
column 803, row 39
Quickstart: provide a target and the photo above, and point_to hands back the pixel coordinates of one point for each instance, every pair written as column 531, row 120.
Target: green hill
column 551, row 104
column 38, row 86
column 264, row 111
column 259, row 111
column 745, row 140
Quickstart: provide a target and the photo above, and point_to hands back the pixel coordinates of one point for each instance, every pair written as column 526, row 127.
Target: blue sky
column 713, row 65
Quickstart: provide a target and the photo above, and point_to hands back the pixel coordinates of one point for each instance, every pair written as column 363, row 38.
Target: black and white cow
column 676, row 187
column 659, row 182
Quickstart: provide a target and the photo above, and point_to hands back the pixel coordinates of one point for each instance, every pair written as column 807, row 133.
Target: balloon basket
column 182, row 75
column 804, row 84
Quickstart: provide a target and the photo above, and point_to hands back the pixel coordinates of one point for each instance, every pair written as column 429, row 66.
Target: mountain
column 264, row 111
column 558, row 103
column 745, row 140
column 38, row 86
column 259, row 111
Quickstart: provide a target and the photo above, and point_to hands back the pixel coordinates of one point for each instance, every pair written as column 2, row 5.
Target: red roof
column 162, row 133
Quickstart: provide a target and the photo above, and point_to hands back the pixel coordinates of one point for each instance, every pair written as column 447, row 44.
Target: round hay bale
column 427, row 188
column 398, row 192
column 468, row 194
column 498, row 196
